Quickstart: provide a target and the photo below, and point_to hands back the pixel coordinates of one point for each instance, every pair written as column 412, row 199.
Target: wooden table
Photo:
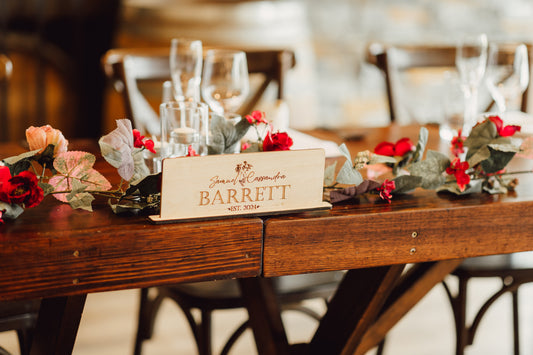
column 59, row 254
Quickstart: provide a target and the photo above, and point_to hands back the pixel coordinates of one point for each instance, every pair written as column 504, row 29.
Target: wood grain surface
column 53, row 250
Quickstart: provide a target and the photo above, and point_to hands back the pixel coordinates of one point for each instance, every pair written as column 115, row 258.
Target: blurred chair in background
column 55, row 47
column 130, row 70
column 513, row 269
column 138, row 74
column 416, row 83
column 19, row 316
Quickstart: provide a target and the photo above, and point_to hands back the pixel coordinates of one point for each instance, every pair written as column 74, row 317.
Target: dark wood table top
column 52, row 250
column 61, row 254
column 416, row 227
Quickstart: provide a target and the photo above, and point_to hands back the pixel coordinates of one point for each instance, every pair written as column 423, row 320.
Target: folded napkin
column 305, row 141
column 518, row 118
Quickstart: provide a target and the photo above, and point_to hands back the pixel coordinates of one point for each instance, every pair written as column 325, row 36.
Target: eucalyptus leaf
column 431, row 169
column 481, row 135
column 421, row 145
column 497, row 160
column 23, row 156
column 406, row 183
column 329, row 174
column 348, row 175
column 47, row 188
column 382, row 159
column 10, row 211
column 226, row 134
column 20, row 163
column 451, row 186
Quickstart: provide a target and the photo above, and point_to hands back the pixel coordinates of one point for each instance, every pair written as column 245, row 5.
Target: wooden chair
column 514, row 270
column 129, row 69
column 132, row 70
column 391, row 60
column 55, row 47
column 21, row 317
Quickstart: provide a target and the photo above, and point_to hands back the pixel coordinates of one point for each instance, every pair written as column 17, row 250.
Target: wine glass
column 471, row 62
column 225, row 83
column 186, row 68
column 507, row 79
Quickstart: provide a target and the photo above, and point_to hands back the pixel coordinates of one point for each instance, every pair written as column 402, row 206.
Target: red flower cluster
column 385, row 190
column 191, row 152
column 399, row 149
column 458, row 144
column 506, row 131
column 139, row 143
column 22, row 189
column 256, row 117
column 458, row 169
column 277, row 141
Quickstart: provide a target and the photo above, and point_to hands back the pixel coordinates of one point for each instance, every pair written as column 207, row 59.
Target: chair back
column 391, row 60
column 131, row 69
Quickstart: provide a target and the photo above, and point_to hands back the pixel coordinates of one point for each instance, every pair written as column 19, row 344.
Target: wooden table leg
column 412, row 287
column 265, row 316
column 353, row 308
column 57, row 325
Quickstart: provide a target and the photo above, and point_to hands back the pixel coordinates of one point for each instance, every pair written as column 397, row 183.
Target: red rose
column 399, row 149
column 20, row 189
column 506, row 131
column 277, row 141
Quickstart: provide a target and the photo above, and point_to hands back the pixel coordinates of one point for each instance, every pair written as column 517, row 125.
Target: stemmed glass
column 507, row 79
column 471, row 62
column 225, row 83
column 186, row 68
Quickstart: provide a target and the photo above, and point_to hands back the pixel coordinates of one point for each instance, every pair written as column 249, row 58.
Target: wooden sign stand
column 241, row 184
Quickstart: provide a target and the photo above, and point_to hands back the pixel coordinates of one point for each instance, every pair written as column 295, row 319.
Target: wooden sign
column 241, row 184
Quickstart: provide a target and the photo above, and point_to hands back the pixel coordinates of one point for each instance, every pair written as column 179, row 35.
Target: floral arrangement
column 48, row 168
column 478, row 164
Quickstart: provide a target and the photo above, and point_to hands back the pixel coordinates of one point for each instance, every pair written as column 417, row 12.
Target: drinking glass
column 183, row 124
column 225, row 83
column 507, row 79
column 186, row 68
column 471, row 62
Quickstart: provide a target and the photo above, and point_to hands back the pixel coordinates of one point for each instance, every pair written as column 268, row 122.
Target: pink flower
column 458, row 169
column 277, row 141
column 22, row 189
column 506, row 131
column 385, row 190
column 41, row 137
column 256, row 117
column 399, row 149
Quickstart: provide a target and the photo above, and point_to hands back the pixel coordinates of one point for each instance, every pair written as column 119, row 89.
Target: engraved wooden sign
column 241, row 184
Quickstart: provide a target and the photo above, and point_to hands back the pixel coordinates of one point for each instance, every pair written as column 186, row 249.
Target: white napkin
column 305, row 141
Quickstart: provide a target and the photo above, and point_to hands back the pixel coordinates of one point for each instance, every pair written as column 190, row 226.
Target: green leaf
column 481, row 154
column 47, row 188
column 140, row 170
column 329, row 174
column 78, row 199
column 421, row 145
column 481, row 135
column 10, row 211
column 498, row 159
column 21, row 162
column 406, row 183
column 382, row 159
column 226, row 134
column 451, row 186
column 431, row 169
column 348, row 175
